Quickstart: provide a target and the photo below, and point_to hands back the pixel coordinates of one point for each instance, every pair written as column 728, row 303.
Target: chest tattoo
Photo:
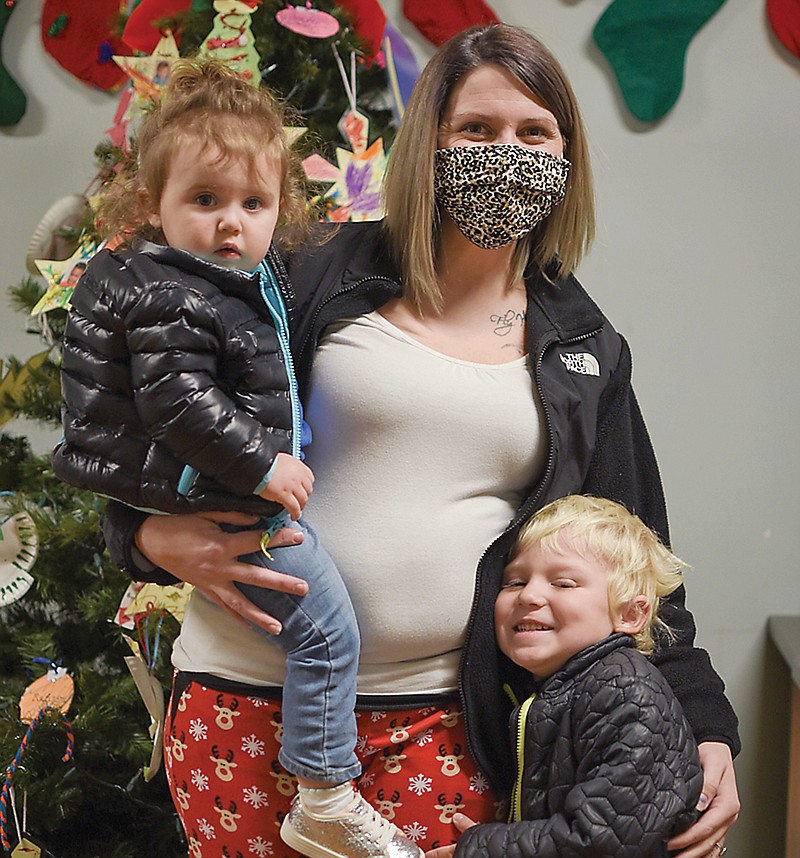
column 505, row 323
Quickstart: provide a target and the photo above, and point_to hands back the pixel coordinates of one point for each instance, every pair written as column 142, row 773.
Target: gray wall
column 696, row 263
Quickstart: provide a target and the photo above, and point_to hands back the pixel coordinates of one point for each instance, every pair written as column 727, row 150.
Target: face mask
column 496, row 194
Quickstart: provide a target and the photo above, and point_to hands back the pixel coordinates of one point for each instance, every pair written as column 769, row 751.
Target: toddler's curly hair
column 207, row 102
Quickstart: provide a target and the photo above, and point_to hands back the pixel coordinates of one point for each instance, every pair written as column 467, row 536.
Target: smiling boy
column 606, row 763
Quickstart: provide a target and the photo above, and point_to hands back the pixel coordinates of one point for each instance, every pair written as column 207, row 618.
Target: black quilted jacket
column 610, row 766
column 171, row 361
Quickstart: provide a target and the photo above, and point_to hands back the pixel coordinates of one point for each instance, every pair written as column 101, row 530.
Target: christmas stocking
column 80, row 36
column 440, row 20
column 645, row 43
column 12, row 99
column 784, row 17
column 368, row 20
column 141, row 32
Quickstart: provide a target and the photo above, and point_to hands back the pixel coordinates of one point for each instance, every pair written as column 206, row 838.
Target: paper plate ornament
column 19, row 546
column 54, row 690
column 307, row 21
column 47, row 241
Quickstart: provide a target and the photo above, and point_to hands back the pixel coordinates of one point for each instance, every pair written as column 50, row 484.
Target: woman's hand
column 719, row 803
column 194, row 549
column 462, row 823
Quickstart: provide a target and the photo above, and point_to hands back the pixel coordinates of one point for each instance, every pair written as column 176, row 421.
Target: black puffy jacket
column 170, row 361
column 610, row 768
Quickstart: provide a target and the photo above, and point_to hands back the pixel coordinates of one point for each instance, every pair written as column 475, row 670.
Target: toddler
column 180, row 397
column 606, row 763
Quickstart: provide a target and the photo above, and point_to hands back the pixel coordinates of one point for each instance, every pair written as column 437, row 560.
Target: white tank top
column 420, row 461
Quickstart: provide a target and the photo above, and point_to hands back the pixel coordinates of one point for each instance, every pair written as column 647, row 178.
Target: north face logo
column 581, row 363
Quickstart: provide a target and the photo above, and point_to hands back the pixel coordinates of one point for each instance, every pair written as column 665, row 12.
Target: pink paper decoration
column 308, row 21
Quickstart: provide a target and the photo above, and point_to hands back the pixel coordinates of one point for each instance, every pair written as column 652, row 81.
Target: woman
column 432, row 443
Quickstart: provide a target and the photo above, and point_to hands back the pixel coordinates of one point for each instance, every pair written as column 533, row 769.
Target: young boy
column 607, row 765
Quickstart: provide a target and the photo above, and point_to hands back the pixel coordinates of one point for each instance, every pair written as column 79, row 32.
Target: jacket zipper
column 344, row 290
column 515, row 809
column 282, row 330
column 524, row 511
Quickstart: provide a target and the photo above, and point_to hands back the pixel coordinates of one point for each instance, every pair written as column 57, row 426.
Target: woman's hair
column 636, row 561
column 208, row 103
column 412, row 217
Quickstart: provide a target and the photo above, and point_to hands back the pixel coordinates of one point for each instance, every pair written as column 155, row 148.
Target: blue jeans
column 321, row 641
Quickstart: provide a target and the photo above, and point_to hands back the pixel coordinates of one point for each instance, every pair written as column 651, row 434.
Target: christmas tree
column 59, row 592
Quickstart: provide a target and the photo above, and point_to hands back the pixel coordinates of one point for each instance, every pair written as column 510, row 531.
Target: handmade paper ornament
column 26, row 848
column 646, row 44
column 13, row 101
column 62, row 276
column 141, row 598
column 149, row 74
column 54, row 690
column 47, row 241
column 355, row 192
column 307, row 21
column 231, row 38
column 152, row 694
column 81, row 37
column 19, row 547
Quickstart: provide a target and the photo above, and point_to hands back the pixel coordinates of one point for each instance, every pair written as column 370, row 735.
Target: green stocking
column 645, row 42
column 12, row 99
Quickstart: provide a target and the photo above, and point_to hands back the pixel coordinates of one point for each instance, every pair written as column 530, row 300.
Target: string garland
column 6, row 790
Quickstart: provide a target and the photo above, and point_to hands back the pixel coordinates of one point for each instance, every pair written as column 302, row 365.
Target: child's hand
column 462, row 822
column 290, row 484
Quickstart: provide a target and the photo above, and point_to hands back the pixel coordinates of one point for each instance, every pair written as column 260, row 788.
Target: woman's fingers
column 720, row 797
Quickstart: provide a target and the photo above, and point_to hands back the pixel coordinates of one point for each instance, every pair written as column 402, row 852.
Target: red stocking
column 368, row 19
column 80, row 36
column 440, row 20
column 784, row 16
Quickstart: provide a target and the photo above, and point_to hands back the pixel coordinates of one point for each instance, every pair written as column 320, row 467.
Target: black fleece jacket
column 597, row 444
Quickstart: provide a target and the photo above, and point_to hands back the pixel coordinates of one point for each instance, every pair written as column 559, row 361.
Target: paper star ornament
column 149, row 74
column 357, row 176
column 62, row 275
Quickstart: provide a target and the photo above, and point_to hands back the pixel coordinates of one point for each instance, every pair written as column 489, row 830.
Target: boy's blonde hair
column 206, row 102
column 636, row 560
column 412, row 217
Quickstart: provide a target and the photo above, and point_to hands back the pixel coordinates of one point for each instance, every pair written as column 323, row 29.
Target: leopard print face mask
column 496, row 194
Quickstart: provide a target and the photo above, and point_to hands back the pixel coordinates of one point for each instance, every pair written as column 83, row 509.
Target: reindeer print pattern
column 231, row 793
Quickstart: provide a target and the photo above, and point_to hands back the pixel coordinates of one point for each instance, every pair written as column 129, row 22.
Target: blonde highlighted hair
column 412, row 217
column 208, row 103
column 635, row 559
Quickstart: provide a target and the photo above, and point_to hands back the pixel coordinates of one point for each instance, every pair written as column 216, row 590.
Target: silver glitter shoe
column 361, row 833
